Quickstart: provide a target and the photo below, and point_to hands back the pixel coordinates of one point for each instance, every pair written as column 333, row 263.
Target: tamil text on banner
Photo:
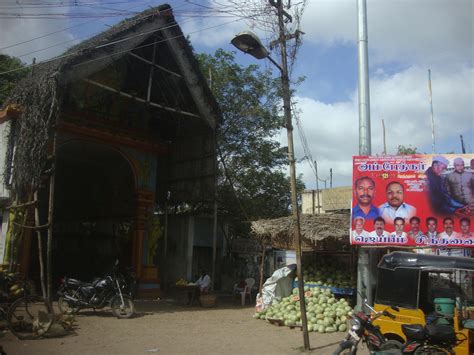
column 424, row 201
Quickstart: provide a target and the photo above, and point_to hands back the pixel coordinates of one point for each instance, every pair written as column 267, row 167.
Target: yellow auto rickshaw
column 426, row 289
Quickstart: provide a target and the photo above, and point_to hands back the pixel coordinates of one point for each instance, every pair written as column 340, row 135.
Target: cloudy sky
column 406, row 38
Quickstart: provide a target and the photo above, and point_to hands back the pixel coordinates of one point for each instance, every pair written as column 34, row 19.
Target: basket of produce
column 208, row 300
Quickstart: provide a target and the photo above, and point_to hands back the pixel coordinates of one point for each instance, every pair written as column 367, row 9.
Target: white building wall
column 338, row 198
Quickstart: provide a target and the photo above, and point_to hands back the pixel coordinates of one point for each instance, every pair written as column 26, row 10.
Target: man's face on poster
column 379, row 226
column 395, row 194
column 465, row 227
column 359, row 224
column 431, row 225
column 415, row 226
column 448, row 226
column 399, row 224
column 459, row 167
column 365, row 191
column 439, row 167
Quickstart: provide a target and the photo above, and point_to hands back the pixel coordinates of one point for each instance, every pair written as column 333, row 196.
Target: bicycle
column 28, row 316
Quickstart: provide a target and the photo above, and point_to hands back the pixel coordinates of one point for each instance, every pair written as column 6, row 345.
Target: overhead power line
column 61, row 30
column 119, row 52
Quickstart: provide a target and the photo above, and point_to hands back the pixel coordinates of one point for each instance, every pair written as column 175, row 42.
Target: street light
column 249, row 43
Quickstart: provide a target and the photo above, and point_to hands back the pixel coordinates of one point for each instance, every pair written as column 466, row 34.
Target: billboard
column 422, row 201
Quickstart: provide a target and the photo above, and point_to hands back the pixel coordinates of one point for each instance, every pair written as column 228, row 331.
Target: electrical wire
column 58, row 31
column 76, row 3
column 119, row 52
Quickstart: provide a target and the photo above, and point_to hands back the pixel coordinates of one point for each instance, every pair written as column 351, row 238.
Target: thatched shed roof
column 103, row 49
column 316, row 229
column 41, row 94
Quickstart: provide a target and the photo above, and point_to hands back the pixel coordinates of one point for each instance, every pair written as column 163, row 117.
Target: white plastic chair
column 247, row 290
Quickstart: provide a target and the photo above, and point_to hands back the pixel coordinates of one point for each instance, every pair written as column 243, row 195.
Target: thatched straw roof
column 316, row 230
column 40, row 95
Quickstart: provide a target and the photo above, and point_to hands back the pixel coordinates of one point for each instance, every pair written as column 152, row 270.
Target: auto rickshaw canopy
column 424, row 262
column 403, row 277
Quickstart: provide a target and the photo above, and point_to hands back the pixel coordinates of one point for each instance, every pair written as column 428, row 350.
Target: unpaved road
column 165, row 327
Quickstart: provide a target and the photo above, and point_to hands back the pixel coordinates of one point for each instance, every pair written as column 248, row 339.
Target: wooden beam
column 103, row 136
column 121, row 93
column 155, row 65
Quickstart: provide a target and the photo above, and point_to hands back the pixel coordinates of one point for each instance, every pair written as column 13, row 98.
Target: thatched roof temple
column 318, row 231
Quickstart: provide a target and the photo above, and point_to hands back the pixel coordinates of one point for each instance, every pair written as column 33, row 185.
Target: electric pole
column 317, row 184
column 291, row 157
column 463, row 148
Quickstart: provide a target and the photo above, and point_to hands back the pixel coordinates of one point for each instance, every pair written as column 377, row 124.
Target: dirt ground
column 168, row 327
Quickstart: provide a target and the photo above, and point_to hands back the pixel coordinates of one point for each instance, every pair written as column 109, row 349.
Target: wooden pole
column 286, row 95
column 49, row 245
column 214, row 226
column 262, row 264
column 40, row 247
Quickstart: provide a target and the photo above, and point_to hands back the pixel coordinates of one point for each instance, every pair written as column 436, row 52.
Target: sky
column 406, row 38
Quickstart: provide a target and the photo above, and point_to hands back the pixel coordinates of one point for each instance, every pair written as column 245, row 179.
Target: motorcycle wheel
column 125, row 311
column 346, row 348
column 431, row 350
column 65, row 307
column 392, row 345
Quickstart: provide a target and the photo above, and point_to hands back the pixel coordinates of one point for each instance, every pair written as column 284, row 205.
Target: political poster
column 420, row 201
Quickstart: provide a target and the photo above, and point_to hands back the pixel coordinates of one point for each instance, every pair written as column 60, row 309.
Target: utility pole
column 433, row 148
column 384, row 141
column 463, row 148
column 249, row 43
column 317, row 184
column 365, row 260
column 291, row 157
column 330, row 178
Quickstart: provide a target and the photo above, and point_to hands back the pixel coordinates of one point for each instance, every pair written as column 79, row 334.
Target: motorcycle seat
column 443, row 333
column 414, row 331
column 74, row 282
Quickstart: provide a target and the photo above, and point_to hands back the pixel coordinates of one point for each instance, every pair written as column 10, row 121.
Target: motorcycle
column 430, row 339
column 363, row 329
column 110, row 290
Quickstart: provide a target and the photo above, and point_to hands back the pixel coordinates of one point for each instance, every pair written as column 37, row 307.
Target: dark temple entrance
column 94, row 210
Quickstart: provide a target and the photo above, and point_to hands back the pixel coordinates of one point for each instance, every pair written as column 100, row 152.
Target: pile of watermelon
column 324, row 313
column 330, row 274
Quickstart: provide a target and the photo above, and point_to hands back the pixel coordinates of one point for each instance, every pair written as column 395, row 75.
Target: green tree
column 250, row 157
column 402, row 150
column 9, row 80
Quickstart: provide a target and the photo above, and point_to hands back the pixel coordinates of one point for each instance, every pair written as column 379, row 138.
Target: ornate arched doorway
column 94, row 210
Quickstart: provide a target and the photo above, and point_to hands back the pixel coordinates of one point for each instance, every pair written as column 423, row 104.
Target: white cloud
column 430, row 31
column 16, row 30
column 402, row 100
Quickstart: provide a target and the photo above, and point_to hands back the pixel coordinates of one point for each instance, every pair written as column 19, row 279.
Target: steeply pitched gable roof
column 103, row 49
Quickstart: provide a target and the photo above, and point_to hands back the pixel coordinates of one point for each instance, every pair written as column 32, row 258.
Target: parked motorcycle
column 362, row 329
column 110, row 290
column 430, row 339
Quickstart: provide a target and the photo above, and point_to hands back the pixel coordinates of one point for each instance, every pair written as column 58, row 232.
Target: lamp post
column 249, row 43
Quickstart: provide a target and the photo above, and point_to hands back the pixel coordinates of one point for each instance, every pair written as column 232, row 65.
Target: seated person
column 204, row 282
